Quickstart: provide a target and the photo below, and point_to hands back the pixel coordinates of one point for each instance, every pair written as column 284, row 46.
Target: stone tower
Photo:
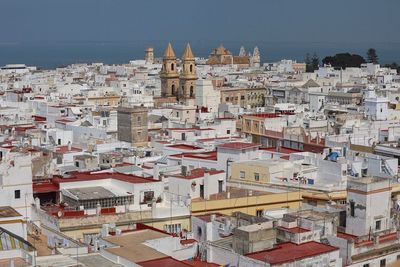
column 149, row 56
column 132, row 125
column 169, row 74
column 242, row 52
column 188, row 77
column 256, row 58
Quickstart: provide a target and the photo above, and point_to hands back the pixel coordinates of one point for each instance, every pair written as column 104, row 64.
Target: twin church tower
column 178, row 84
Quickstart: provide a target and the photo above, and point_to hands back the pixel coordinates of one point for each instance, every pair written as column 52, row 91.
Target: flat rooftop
column 368, row 180
column 131, row 247
column 89, row 193
column 235, row 193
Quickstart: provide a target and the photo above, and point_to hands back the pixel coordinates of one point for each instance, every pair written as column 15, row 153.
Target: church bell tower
column 188, row 77
column 169, row 74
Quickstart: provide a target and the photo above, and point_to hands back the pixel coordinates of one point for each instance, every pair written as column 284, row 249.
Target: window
column 147, row 196
column 383, row 262
column 352, row 206
column 202, row 191
column 366, row 265
column 77, row 164
column 59, row 141
column 398, row 257
column 378, row 226
column 259, row 213
column 226, row 98
column 220, row 184
column 228, row 131
column 172, row 66
column 191, row 91
column 256, row 176
column 199, row 231
column 242, row 174
column 139, row 119
column 191, row 68
column 17, row 194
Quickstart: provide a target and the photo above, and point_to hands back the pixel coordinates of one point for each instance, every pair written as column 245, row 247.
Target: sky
column 41, row 21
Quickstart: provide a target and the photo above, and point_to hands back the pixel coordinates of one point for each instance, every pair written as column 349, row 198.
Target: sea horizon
column 49, row 55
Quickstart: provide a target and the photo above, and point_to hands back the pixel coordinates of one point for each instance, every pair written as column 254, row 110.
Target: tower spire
column 187, row 53
column 169, row 52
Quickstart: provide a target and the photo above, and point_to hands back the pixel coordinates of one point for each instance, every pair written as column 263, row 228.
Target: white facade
column 369, row 206
column 207, row 96
column 376, row 107
column 16, row 182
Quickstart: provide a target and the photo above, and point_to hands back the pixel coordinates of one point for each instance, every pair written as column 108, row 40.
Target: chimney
column 212, row 217
column 206, row 184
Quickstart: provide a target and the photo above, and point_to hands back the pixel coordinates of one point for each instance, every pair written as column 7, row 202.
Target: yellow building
column 107, row 100
column 253, row 97
column 248, row 201
column 261, row 171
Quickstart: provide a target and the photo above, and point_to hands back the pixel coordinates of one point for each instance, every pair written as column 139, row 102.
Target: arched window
column 173, row 89
column 172, row 66
column 191, row 68
column 191, row 90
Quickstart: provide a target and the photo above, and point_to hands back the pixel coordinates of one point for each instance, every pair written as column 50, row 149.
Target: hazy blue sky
column 191, row 20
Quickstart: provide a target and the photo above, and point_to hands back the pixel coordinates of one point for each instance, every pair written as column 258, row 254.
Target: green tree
column 344, row 60
column 372, row 57
column 308, row 62
column 315, row 62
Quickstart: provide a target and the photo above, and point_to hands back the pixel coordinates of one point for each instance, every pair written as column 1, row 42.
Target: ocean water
column 51, row 55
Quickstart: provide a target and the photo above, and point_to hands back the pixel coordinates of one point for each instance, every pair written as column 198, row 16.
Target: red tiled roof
column 346, row 236
column 207, row 217
column 87, row 176
column 289, row 252
column 197, row 173
column 184, row 146
column 24, row 128
column 38, row 118
column 187, row 241
column 282, row 150
column 199, row 263
column 205, row 129
column 64, row 149
column 44, row 187
column 238, row 145
column 211, row 155
column 164, row 262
